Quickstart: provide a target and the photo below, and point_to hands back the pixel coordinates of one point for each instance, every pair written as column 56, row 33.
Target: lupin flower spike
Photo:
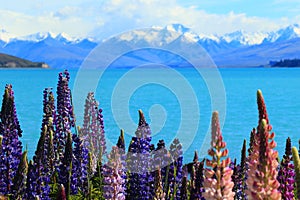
column 296, row 160
column 92, row 131
column 121, row 142
column 197, row 178
column 158, row 187
column 140, row 183
column 286, row 174
column 262, row 162
column 263, row 183
column 65, row 118
column 113, row 177
column 65, row 171
column 175, row 169
column 217, row 183
column 184, row 185
column 241, row 194
column 19, row 182
column 11, row 151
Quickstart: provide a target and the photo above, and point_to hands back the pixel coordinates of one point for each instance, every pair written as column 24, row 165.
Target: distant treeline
column 286, row 63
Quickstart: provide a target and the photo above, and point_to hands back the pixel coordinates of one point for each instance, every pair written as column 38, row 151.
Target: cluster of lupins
column 73, row 163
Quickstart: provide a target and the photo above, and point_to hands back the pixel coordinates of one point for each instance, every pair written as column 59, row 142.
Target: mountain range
column 237, row 49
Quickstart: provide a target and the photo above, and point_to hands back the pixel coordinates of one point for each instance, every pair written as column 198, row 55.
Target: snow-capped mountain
column 5, row 36
column 232, row 49
column 36, row 37
column 288, row 33
column 244, row 38
column 57, row 50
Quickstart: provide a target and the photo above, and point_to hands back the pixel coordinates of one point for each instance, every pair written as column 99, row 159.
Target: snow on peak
column 159, row 36
column 179, row 28
column 6, row 36
column 40, row 36
column 65, row 38
column 163, row 35
column 245, row 38
column 37, row 37
column 287, row 33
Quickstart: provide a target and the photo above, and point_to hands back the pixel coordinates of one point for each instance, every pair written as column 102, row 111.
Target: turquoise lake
column 170, row 100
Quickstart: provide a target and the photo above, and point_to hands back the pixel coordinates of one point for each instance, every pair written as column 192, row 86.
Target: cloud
column 108, row 17
column 23, row 24
column 123, row 16
column 66, row 12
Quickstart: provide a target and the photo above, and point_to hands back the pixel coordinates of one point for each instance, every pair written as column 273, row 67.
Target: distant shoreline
column 13, row 62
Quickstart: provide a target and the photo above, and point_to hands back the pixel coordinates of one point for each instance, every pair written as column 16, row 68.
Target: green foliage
column 97, row 183
column 297, row 170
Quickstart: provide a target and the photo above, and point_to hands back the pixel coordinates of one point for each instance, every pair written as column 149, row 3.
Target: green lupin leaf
column 296, row 160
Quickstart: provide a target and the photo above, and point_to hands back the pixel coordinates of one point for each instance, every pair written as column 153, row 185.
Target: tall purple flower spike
column 197, row 178
column 92, row 131
column 80, row 165
column 140, row 183
column 113, row 177
column 11, row 151
column 65, row 119
column 286, row 174
column 175, row 169
column 43, row 160
column 19, row 186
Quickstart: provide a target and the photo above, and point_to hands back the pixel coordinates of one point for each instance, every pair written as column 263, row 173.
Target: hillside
column 8, row 61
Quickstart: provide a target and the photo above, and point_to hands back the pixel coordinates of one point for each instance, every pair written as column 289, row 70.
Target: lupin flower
column 65, row 169
column 286, row 174
column 254, row 138
column 92, row 131
column 175, row 169
column 80, row 166
column 239, row 176
column 140, row 183
column 31, row 182
column 235, row 179
column 241, row 193
column 11, row 151
column 65, row 118
column 184, row 184
column 43, row 166
column 296, row 160
column 263, row 184
column 262, row 173
column 162, row 160
column 121, row 147
column 19, row 182
column 159, row 193
column 197, row 178
column 217, row 182
column 113, row 173
column 121, row 142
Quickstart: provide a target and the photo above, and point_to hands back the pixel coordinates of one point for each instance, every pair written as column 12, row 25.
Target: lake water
column 174, row 103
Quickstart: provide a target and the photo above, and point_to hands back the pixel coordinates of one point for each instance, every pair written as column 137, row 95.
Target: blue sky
column 103, row 18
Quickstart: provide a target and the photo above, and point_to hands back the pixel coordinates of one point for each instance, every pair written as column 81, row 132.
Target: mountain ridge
column 239, row 48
